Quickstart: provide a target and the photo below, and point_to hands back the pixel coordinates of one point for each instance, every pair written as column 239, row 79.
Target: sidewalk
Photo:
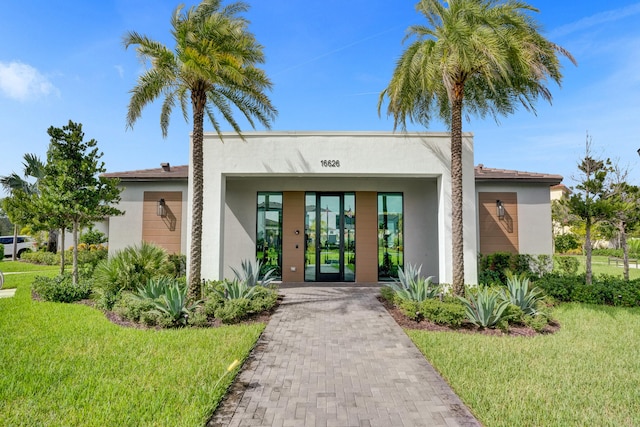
column 334, row 357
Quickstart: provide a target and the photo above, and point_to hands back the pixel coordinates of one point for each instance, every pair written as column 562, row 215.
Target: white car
column 25, row 243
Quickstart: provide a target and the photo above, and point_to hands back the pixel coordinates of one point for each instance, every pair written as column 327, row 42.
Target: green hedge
column 61, row 288
column 605, row 289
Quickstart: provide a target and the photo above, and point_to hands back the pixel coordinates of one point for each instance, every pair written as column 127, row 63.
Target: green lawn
column 66, row 364
column 588, row 373
column 600, row 265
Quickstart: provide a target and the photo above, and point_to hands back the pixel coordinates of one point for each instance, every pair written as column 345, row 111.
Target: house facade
column 332, row 206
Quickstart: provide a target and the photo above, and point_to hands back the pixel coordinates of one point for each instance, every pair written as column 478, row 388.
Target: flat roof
column 482, row 174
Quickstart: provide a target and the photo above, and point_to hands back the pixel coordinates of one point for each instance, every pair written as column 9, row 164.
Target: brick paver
column 333, row 356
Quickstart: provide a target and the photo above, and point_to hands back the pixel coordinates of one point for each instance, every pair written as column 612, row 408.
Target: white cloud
column 597, row 19
column 120, row 70
column 23, row 82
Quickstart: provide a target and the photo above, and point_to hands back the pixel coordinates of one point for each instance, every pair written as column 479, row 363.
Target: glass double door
column 330, row 237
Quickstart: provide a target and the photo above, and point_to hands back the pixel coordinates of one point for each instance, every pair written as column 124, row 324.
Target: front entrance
column 330, row 237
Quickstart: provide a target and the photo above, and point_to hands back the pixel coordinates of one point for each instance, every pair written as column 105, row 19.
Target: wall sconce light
column 161, row 209
column 500, row 209
column 297, row 232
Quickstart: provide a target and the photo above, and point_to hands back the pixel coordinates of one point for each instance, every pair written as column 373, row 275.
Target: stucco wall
column 417, row 164
column 126, row 230
column 534, row 215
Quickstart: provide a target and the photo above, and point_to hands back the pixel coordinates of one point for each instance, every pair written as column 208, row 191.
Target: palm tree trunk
column 456, row 193
column 625, row 250
column 587, row 251
column 198, row 99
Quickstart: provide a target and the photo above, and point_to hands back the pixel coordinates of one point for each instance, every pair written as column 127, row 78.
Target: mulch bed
column 426, row 325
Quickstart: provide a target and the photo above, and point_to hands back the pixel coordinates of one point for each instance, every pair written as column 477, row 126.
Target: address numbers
column 330, row 163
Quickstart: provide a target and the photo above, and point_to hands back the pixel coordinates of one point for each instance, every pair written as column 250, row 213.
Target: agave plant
column 484, row 308
column 411, row 286
column 234, row 289
column 154, row 288
column 518, row 293
column 249, row 275
column 174, row 302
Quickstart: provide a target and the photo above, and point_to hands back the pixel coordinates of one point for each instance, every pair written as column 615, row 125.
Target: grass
column 20, row 266
column 600, row 265
column 66, row 364
column 588, row 373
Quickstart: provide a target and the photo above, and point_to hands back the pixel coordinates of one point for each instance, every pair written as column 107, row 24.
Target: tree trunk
column 61, row 251
column 457, row 232
column 198, row 100
column 587, row 251
column 52, row 242
column 625, row 250
column 74, row 274
column 15, row 243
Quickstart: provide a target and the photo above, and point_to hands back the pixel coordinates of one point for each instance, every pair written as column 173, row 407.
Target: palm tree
column 213, row 64
column 475, row 57
column 14, row 184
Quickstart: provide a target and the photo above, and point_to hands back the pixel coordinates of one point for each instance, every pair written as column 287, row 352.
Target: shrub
column 132, row 308
column 484, row 308
column 492, row 267
column 605, row 289
column 2, row 252
column 41, row 257
column 411, row 286
column 92, row 237
column 130, row 268
column 608, row 252
column 564, row 243
column 233, row 311
column 179, row 263
column 445, row 312
column 559, row 286
column 388, row 294
column 566, row 264
column 60, row 288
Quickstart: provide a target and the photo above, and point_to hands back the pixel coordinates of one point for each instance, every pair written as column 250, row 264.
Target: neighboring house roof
column 165, row 172
column 485, row 174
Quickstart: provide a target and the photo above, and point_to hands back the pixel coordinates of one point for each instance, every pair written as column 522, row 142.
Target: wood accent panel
column 165, row 231
column 293, row 220
column 366, row 237
column 498, row 235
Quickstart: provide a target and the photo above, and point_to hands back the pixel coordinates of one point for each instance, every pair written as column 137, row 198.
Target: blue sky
column 328, row 60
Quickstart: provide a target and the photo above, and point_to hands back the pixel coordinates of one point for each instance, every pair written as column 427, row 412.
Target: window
column 390, row 235
column 269, row 233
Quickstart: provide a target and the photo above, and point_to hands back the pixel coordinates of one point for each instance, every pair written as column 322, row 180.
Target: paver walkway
column 335, row 357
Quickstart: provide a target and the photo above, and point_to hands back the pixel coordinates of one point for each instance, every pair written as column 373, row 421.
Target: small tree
column 72, row 190
column 589, row 199
column 625, row 212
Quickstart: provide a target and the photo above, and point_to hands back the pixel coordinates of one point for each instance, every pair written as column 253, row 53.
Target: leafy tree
column 5, row 224
column 475, row 57
column 625, row 211
column 589, row 198
column 214, row 66
column 72, row 190
column 22, row 193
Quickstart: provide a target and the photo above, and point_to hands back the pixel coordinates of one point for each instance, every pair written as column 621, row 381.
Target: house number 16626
column 330, row 163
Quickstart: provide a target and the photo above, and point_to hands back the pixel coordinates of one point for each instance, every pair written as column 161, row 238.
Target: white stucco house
column 335, row 206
